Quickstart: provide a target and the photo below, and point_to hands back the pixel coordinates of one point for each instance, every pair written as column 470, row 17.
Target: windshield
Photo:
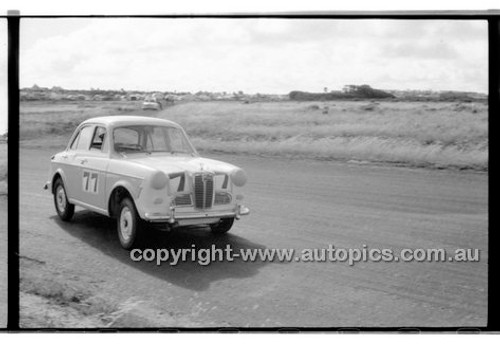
column 151, row 139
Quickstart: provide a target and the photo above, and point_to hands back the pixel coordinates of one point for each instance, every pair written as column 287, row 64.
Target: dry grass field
column 438, row 135
column 46, row 124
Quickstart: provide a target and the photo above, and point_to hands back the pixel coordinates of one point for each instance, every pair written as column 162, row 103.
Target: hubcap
column 126, row 222
column 61, row 199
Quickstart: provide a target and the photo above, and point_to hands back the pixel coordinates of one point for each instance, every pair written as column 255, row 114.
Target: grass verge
column 442, row 135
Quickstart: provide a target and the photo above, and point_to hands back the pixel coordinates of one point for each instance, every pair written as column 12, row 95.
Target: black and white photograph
column 252, row 172
column 3, row 173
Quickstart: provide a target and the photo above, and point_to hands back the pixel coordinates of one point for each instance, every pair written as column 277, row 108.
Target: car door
column 72, row 170
column 65, row 164
column 93, row 162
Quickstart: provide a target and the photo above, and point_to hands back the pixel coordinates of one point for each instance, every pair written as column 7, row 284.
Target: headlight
column 222, row 198
column 159, row 180
column 239, row 177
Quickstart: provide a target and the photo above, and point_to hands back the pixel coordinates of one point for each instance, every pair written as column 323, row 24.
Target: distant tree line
column 349, row 92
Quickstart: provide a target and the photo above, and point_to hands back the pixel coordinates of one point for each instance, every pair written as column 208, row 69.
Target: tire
column 64, row 208
column 222, row 227
column 128, row 224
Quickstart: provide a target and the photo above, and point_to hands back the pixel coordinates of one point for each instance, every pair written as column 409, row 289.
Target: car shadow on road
column 100, row 232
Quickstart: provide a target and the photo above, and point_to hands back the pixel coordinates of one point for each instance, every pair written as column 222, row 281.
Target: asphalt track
column 295, row 204
column 3, row 261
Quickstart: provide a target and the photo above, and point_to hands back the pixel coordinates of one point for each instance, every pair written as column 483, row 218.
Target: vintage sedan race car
column 141, row 169
column 151, row 105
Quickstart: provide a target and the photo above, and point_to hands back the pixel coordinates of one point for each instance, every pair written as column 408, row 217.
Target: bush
column 351, row 92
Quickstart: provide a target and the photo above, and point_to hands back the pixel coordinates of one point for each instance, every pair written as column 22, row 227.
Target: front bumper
column 196, row 218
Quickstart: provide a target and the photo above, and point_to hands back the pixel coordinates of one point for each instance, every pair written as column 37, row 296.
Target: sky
column 3, row 75
column 253, row 55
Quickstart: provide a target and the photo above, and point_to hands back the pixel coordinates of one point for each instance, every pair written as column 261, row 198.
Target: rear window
column 84, row 138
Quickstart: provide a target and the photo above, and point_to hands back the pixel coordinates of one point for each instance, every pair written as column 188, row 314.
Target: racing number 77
column 90, row 181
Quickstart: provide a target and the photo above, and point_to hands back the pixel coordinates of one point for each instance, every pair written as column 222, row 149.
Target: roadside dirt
column 52, row 297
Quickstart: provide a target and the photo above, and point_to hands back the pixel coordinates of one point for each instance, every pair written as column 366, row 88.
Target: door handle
column 83, row 161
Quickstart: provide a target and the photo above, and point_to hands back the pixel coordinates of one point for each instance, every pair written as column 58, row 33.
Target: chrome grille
column 183, row 200
column 203, row 190
column 209, row 192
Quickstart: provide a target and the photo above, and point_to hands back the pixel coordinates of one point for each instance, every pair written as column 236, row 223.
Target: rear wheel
column 64, row 208
column 128, row 224
column 222, row 227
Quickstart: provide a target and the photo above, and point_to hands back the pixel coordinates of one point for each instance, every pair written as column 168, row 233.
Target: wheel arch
column 119, row 192
column 58, row 174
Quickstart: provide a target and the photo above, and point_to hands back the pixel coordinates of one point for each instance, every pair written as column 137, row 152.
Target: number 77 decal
column 90, row 181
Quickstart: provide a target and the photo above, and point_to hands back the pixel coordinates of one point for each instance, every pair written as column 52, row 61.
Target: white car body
column 170, row 188
column 151, row 105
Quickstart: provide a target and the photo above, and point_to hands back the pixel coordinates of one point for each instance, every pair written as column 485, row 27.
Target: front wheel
column 223, row 226
column 64, row 208
column 128, row 224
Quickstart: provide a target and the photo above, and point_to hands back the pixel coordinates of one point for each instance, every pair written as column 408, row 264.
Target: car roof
column 121, row 120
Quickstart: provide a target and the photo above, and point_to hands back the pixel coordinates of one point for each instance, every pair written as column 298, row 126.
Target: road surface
column 295, row 204
column 3, row 235
column 3, row 260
